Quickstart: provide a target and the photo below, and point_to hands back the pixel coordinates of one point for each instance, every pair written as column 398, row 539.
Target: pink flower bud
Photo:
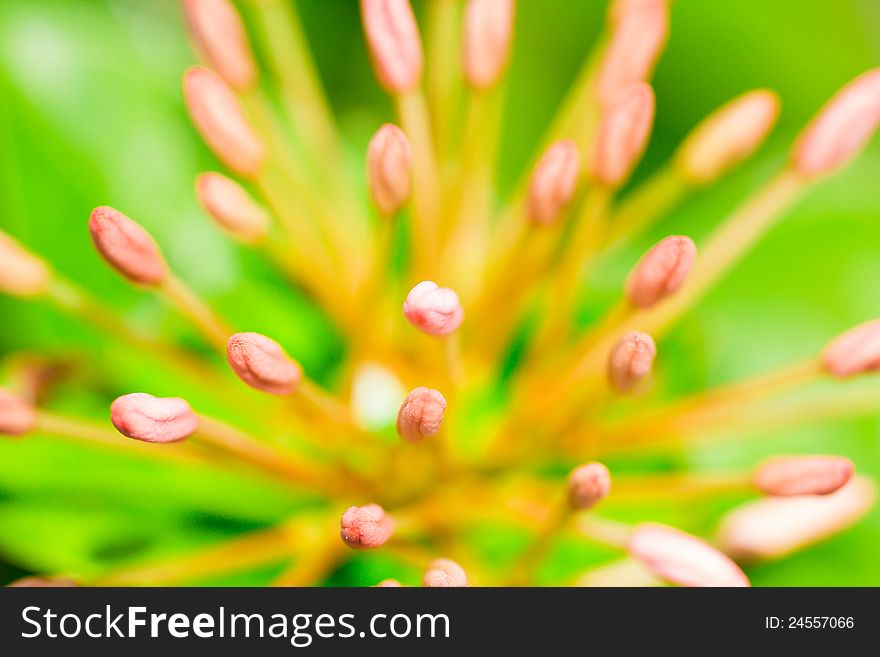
column 443, row 573
column 366, row 527
column 433, row 309
column 554, row 181
column 127, row 247
column 42, row 583
column 773, row 527
column 421, row 414
column 389, row 160
column 803, row 475
column 153, row 419
column 394, row 43
column 631, row 361
column 587, row 484
column 661, row 271
column 263, row 364
column 727, row 136
column 219, row 118
column 640, row 31
column 22, row 274
column 389, row 584
column 855, row 352
column 17, row 417
column 841, row 129
column 229, row 204
column 623, row 134
column 488, row 26
column 683, row 559
column 220, row 36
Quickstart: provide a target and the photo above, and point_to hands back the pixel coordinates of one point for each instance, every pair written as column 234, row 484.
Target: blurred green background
column 91, row 113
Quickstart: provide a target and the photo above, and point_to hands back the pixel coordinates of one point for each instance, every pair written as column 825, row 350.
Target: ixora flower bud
column 554, row 181
column 389, row 161
column 802, row 475
column 773, row 527
column 442, row 573
column 42, row 583
column 841, row 128
column 421, row 414
column 220, row 36
column 153, row 419
column 855, row 352
column 623, row 134
column 661, row 271
column 389, row 584
column 488, row 26
column 127, row 247
column 631, row 360
column 217, row 114
column 588, row 484
column 229, row 204
column 433, row 309
column 366, row 527
column 394, row 43
column 682, row 559
column 727, row 136
column 17, row 417
column 22, row 274
column 263, row 364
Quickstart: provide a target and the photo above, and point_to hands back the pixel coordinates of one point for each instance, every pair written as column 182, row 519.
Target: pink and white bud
column 263, row 364
column 554, row 182
column 153, row 419
column 786, row 476
column 127, row 247
column 727, row 136
column 640, row 31
column 433, row 309
column 22, row 274
column 394, row 43
column 17, row 417
column 683, row 559
column 366, row 527
column 841, row 129
column 234, row 210
column 774, row 527
column 389, row 584
column 855, row 352
column 443, row 573
column 623, row 134
column 42, row 583
column 488, row 27
column 222, row 39
column 218, row 117
column 631, row 361
column 389, row 163
column 421, row 414
column 588, row 484
column 661, row 271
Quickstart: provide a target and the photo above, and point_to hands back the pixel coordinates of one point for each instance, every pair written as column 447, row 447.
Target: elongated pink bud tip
column 262, row 363
column 17, row 417
column 22, row 274
column 631, row 361
column 588, row 484
column 220, row 36
column 366, row 527
column 421, row 414
column 623, row 134
column 661, row 271
column 803, row 475
column 841, row 129
column 683, row 559
column 554, row 182
column 127, row 247
column 389, row 584
column 234, row 210
column 153, row 419
column 855, row 352
column 433, row 309
column 42, row 583
column 394, row 43
column 488, row 26
column 389, row 160
column 444, row 573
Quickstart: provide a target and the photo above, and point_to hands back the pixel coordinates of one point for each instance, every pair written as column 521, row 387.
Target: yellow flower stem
column 443, row 75
column 208, row 323
column 524, row 570
column 320, row 551
column 684, row 486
